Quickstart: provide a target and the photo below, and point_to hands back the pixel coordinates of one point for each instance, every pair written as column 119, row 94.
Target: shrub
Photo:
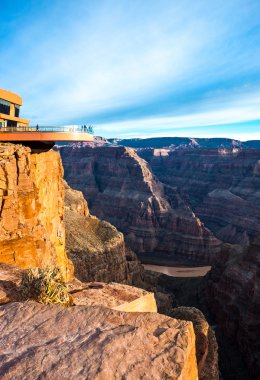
column 46, row 286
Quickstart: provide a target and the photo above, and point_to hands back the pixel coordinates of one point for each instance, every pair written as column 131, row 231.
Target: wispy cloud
column 155, row 64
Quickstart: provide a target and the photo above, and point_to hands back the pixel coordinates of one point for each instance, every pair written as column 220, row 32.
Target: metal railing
column 38, row 128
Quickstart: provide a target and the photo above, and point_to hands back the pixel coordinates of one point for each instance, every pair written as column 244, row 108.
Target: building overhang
column 13, row 118
column 11, row 97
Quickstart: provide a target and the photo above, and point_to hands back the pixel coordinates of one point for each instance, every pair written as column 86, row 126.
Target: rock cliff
column 32, row 230
column 233, row 294
column 221, row 185
column 96, row 248
column 120, row 188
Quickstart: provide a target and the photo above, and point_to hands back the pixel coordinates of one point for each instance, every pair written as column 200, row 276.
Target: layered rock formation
column 222, row 187
column 120, row 188
column 31, row 209
column 96, row 248
column 233, row 294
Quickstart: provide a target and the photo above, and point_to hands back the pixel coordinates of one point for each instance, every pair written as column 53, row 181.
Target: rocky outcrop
column 221, row 185
column 96, row 248
column 84, row 342
column 32, row 231
column 112, row 295
column 120, row 188
column 233, row 294
column 206, row 343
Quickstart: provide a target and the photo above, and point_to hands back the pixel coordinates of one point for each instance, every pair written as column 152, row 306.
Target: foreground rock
column 32, row 231
column 85, row 342
column 233, row 294
column 112, row 295
column 120, row 188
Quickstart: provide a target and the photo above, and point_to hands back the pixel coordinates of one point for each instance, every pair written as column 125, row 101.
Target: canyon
column 220, row 185
column 93, row 241
column 103, row 318
column 120, row 188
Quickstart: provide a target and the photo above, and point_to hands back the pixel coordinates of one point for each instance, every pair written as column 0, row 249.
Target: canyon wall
column 120, row 188
column 221, row 185
column 96, row 248
column 233, row 294
column 32, row 232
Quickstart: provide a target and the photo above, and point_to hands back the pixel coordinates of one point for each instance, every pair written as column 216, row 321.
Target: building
column 17, row 130
column 10, row 104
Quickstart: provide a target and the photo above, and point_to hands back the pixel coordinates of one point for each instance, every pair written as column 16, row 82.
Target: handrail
column 37, row 128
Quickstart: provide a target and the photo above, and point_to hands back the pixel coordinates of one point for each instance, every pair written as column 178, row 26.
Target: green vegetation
column 46, row 286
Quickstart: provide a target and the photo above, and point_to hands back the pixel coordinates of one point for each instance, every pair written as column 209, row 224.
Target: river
column 179, row 271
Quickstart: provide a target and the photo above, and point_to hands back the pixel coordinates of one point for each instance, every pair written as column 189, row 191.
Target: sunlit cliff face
column 32, row 209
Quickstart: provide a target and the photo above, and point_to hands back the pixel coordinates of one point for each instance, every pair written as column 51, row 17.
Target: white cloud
column 242, row 108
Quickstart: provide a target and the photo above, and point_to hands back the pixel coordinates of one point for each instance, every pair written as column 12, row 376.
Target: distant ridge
column 185, row 142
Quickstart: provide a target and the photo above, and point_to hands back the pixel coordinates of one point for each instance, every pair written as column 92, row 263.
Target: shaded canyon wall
column 221, row 185
column 120, row 188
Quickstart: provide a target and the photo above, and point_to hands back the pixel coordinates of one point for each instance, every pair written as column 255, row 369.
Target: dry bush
column 45, row 285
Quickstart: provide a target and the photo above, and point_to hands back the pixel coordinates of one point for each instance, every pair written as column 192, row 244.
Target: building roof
column 11, row 97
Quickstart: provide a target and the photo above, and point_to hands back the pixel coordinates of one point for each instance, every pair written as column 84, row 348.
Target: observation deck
column 15, row 129
column 45, row 134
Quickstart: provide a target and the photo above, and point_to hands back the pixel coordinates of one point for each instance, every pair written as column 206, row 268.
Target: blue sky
column 136, row 68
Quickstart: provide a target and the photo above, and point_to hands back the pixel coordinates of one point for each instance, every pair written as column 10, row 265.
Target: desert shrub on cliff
column 46, row 286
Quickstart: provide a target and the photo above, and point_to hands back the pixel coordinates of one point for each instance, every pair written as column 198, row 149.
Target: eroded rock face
column 96, row 248
column 31, row 209
column 233, row 294
column 222, row 186
column 206, row 343
column 85, row 342
column 120, row 188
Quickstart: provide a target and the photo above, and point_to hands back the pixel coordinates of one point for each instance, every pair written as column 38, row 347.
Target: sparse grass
column 46, row 286
column 89, row 234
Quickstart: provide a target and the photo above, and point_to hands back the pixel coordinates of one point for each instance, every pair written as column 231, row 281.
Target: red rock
column 84, row 342
column 31, row 209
